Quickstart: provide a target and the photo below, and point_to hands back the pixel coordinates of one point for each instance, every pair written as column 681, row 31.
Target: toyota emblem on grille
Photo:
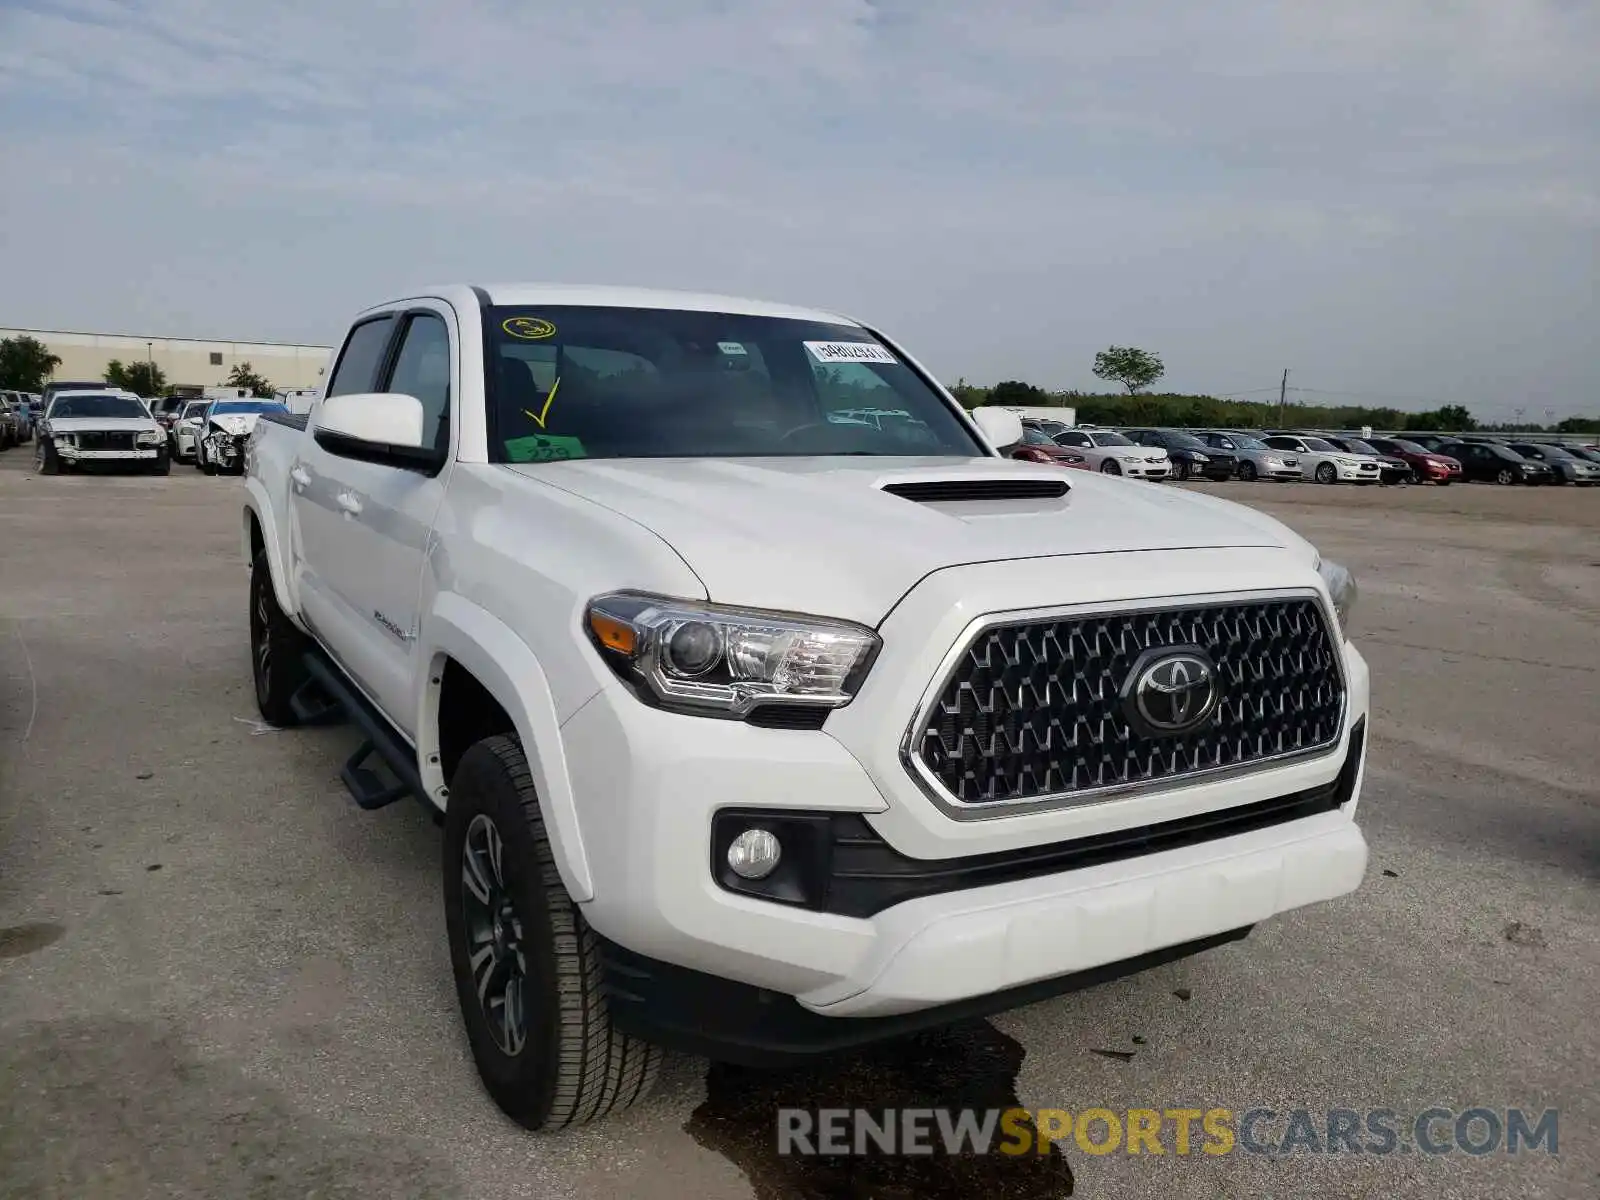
column 1172, row 691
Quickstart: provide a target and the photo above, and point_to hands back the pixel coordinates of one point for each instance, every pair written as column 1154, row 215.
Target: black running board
column 328, row 693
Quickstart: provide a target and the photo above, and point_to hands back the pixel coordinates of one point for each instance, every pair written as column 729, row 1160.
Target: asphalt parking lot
column 219, row 978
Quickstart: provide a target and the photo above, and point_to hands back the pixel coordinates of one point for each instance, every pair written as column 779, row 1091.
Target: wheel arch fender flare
column 480, row 643
column 258, row 512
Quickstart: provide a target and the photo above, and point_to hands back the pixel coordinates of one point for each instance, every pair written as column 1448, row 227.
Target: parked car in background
column 185, row 433
column 1038, row 446
column 1255, row 459
column 11, row 424
column 1434, row 443
column 1565, row 466
column 1113, row 454
column 104, row 427
column 1187, row 453
column 225, row 429
column 167, row 409
column 1426, row 465
column 1390, row 468
column 1489, row 462
column 1324, row 461
column 1587, row 453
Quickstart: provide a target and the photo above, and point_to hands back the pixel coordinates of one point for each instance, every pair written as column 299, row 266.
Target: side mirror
column 377, row 427
column 1001, row 429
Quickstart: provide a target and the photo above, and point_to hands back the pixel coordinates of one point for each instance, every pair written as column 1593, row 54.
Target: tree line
column 26, row 364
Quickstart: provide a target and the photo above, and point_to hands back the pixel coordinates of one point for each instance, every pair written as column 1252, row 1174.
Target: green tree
column 1579, row 425
column 968, row 395
column 1015, row 393
column 243, row 376
column 141, row 378
column 1133, row 368
column 25, row 363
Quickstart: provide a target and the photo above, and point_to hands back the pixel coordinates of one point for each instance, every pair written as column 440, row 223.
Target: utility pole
column 1283, row 396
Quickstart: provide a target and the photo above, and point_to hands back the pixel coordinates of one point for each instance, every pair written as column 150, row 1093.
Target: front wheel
column 1247, row 471
column 45, row 459
column 527, row 965
column 1181, row 471
column 1506, row 475
column 277, row 649
column 1326, row 473
column 1111, row 467
column 162, row 464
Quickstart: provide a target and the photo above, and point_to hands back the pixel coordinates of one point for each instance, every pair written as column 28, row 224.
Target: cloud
column 1240, row 186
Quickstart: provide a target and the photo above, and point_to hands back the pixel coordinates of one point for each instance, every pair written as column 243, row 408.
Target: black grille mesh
column 103, row 440
column 1032, row 710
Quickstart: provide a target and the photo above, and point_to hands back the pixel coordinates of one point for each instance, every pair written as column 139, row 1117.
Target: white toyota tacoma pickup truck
column 763, row 734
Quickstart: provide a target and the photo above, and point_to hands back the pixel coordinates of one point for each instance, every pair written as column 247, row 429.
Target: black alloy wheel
column 495, row 936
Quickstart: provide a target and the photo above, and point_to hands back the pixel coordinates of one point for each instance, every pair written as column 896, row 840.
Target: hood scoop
column 948, row 491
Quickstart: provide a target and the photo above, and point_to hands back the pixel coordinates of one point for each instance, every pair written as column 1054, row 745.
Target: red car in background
column 1429, row 465
column 1037, row 446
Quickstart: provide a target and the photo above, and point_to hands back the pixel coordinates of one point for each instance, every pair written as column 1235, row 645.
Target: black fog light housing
column 795, row 861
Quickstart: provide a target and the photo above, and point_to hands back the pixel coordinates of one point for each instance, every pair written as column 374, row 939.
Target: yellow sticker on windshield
column 530, row 329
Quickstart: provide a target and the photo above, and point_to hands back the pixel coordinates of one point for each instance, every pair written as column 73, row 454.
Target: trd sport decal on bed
column 529, row 329
column 844, row 352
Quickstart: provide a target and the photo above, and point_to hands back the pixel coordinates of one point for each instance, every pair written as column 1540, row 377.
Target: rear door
column 385, row 516
column 319, row 527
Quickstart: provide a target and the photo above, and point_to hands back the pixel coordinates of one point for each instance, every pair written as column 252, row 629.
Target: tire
column 207, row 467
column 1247, row 471
column 162, row 464
column 569, row 1066
column 277, row 649
column 1181, row 472
column 1326, row 473
column 45, row 459
column 1110, row 466
column 1506, row 476
column 1443, row 482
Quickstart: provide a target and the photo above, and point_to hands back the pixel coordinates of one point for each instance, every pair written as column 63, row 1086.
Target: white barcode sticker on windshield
column 731, row 348
column 845, row 352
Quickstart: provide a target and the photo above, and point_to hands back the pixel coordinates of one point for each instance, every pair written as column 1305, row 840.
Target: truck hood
column 102, row 424
column 820, row 535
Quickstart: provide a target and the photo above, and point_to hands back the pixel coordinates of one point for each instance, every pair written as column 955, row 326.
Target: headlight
column 1274, row 462
column 151, row 437
column 719, row 661
column 1342, row 589
column 1198, row 457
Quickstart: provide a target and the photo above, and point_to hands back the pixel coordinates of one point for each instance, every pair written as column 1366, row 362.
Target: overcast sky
column 1393, row 198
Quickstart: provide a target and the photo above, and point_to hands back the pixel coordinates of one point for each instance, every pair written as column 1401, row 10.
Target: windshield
column 1322, row 446
column 1036, row 437
column 1111, row 439
column 1406, row 447
column 1186, row 441
column 1357, row 446
column 592, row 382
column 96, row 406
column 1241, row 442
column 194, row 410
column 1546, row 451
column 230, row 407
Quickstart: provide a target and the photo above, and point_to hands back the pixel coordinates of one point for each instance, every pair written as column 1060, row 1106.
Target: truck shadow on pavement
column 106, row 1109
column 968, row 1066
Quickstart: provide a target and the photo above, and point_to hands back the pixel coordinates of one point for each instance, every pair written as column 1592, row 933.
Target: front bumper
column 1357, row 474
column 663, row 778
column 138, row 454
column 1136, row 469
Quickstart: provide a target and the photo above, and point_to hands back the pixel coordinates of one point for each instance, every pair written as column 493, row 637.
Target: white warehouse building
column 187, row 363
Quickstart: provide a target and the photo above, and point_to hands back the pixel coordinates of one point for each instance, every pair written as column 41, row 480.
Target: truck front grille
column 1035, row 710
column 103, row 440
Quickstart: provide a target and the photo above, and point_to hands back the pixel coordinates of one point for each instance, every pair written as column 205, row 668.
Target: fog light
column 754, row 854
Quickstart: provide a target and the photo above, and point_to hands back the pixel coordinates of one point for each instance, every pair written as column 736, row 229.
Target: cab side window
column 357, row 368
column 422, row 369
column 1072, row 439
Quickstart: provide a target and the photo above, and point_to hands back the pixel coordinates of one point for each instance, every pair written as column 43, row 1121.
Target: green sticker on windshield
column 543, row 447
